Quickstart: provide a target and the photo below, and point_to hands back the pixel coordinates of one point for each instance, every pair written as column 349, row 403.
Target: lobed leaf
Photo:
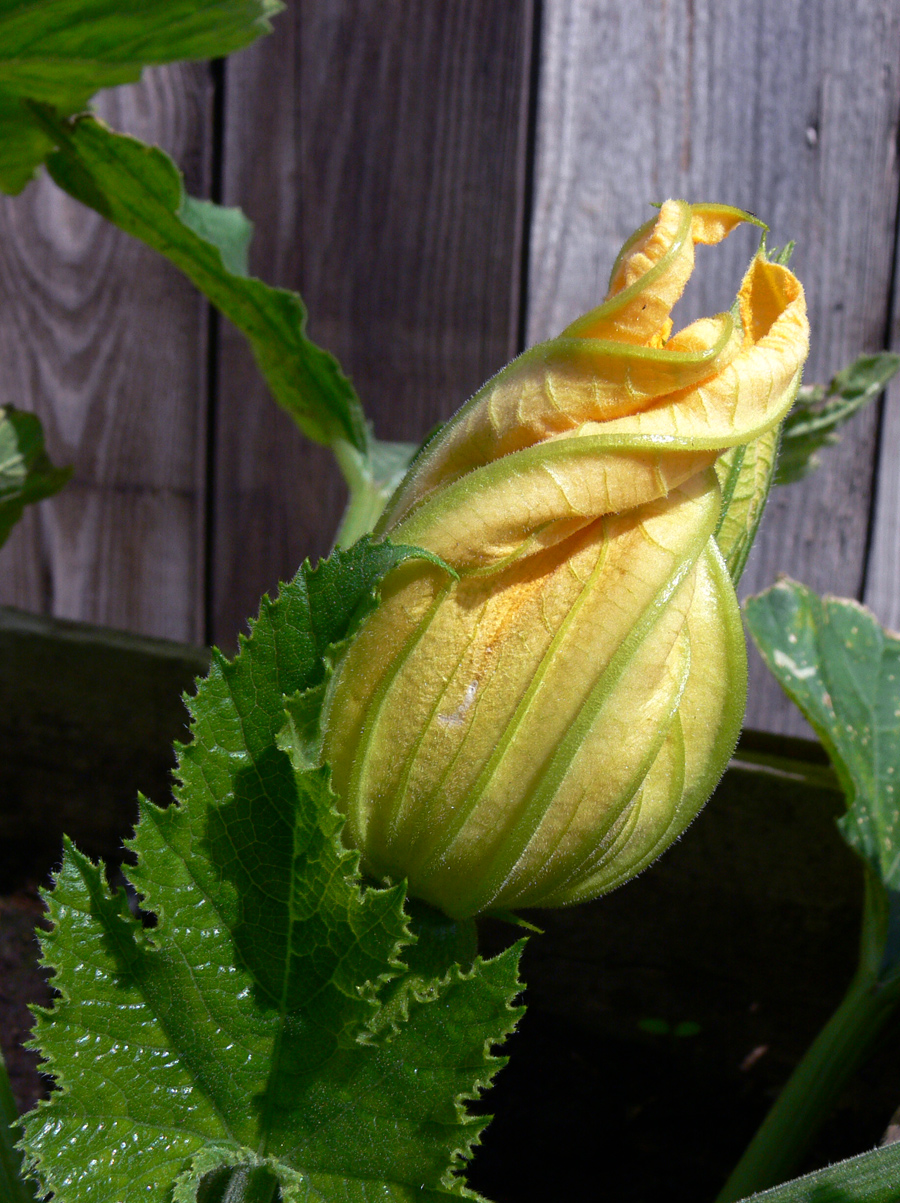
column 266, row 1028
column 842, row 669
column 139, row 189
column 61, row 53
column 26, row 473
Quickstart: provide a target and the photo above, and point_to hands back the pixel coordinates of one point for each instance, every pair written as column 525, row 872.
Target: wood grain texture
column 782, row 107
column 380, row 150
column 107, row 343
column 882, row 587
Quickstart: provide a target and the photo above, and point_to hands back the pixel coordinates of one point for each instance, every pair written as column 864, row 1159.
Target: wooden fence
column 444, row 181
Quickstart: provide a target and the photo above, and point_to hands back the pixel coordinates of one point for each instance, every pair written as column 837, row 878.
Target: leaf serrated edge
column 330, row 822
column 506, row 963
column 78, row 863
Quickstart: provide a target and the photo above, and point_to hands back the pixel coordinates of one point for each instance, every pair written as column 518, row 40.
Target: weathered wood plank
column 380, row 150
column 781, row 107
column 882, row 589
column 107, row 344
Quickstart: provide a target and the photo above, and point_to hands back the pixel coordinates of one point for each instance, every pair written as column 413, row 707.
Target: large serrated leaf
column 26, row 473
column 139, row 189
column 266, row 1025
column 819, row 411
column 61, row 53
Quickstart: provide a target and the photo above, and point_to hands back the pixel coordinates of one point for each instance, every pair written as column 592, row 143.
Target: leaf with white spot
column 842, row 668
column 275, row 1030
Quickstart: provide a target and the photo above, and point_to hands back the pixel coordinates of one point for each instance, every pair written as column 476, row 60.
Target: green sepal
column 745, row 477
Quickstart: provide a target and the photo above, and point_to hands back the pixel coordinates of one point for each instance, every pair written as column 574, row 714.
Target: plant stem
column 239, row 1184
column 13, row 1188
column 834, row 1056
column 255, row 1185
column 367, row 497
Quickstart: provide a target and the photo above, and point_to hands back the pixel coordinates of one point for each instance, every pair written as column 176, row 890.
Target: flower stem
column 256, row 1185
column 367, row 496
column 239, row 1184
column 831, row 1060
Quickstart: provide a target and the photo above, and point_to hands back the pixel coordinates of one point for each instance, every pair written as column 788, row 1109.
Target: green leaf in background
column 872, row 1177
column 842, row 669
column 265, row 1032
column 60, row 52
column 227, row 229
column 819, row 411
column 26, row 473
column 139, row 189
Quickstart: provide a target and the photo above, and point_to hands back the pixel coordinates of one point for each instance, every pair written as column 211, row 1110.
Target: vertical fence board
column 882, row 591
column 380, row 151
column 781, row 107
column 106, row 342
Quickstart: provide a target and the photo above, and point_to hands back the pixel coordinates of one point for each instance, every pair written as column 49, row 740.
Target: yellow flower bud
column 539, row 730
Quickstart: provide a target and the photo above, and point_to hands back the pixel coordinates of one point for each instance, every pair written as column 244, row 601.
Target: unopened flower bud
column 540, row 729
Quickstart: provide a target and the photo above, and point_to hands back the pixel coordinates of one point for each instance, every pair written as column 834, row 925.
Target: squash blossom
column 538, row 730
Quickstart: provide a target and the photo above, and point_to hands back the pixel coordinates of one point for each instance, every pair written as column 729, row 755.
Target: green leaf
column 265, row 1029
column 26, row 473
column 818, row 412
column 842, row 669
column 61, row 53
column 870, row 1178
column 227, row 229
column 139, row 189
